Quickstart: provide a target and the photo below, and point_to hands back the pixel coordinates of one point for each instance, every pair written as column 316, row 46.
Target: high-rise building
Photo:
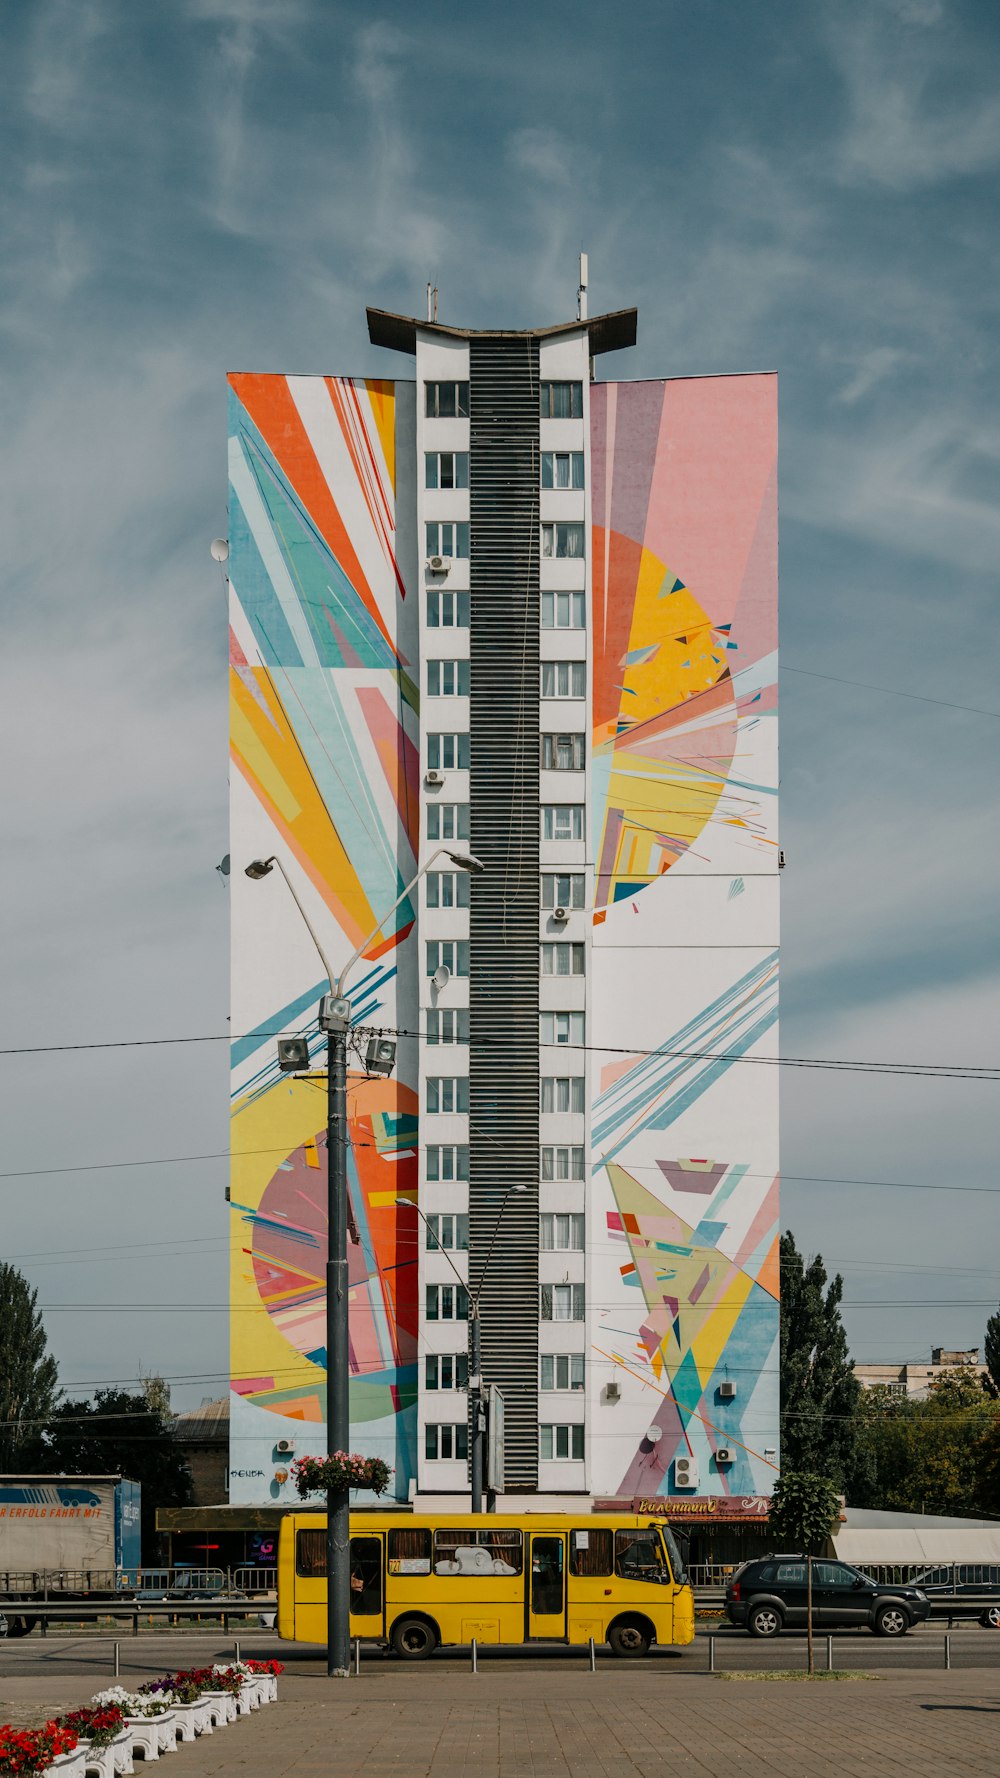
column 508, row 609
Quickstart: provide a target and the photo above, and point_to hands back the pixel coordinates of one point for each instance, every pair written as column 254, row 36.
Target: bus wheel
column 413, row 1638
column 629, row 1636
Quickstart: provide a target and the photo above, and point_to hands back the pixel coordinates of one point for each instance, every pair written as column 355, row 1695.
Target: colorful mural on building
column 684, row 1131
column 325, row 753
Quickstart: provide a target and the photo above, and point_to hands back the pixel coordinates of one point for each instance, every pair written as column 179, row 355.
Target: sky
column 199, row 186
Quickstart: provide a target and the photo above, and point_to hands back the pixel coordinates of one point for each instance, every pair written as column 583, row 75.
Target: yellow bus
column 421, row 1581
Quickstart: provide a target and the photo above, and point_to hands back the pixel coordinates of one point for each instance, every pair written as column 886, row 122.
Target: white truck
column 65, row 1538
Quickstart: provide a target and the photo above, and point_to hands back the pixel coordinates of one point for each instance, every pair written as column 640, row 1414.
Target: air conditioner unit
column 685, row 1472
column 612, row 1392
column 438, row 564
column 561, row 915
column 727, row 1391
column 725, row 1455
column 284, row 1446
column 433, row 776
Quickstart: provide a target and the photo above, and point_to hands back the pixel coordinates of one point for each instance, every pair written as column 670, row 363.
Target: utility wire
column 887, row 690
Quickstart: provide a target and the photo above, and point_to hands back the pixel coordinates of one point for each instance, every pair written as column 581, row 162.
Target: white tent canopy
column 898, row 1538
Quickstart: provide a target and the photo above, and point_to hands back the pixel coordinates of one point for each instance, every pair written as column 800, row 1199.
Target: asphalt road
column 155, row 1652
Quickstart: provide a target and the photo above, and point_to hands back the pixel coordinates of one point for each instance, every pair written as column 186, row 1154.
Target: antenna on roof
column 581, row 295
column 434, row 315
column 430, row 315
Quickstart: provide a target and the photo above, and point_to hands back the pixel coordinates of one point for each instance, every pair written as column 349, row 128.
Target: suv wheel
column 990, row 1619
column 891, row 1620
column 764, row 1620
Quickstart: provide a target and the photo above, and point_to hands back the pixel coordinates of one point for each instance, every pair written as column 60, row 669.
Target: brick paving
column 542, row 1721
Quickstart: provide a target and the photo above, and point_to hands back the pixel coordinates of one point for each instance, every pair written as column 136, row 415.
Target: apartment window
column 562, row 1302
column 447, row 821
column 448, row 679
column 448, row 888
column 447, row 611
column 562, row 1234
column 447, row 1024
column 448, row 401
column 563, row 1370
column 563, row 611
column 562, row 821
column 561, row 1163
column 448, row 538
column 448, row 953
column 561, row 1442
column 562, row 540
column 448, row 753
column 449, row 469
column 448, row 1233
column 446, row 1371
column 562, row 959
column 562, row 1092
column 447, row 1302
column 564, row 679
column 562, row 469
column 448, row 1162
column 563, row 889
column 442, row 1443
column 447, row 1093
column 560, row 1027
column 563, row 753
column 562, row 401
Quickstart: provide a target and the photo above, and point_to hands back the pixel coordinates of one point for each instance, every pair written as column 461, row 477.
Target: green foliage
column 819, row 1391
column 28, row 1375
column 122, row 1434
column 992, row 1355
column 941, row 1455
column 804, row 1508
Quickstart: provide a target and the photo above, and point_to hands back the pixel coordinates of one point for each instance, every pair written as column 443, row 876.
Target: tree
column 991, row 1381
column 122, row 1434
column 804, row 1506
column 819, row 1391
column 932, row 1456
column 28, row 1374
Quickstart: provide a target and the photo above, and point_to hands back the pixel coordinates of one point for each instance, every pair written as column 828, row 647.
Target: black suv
column 764, row 1596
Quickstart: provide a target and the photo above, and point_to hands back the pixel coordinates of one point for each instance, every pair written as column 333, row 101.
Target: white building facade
column 510, row 610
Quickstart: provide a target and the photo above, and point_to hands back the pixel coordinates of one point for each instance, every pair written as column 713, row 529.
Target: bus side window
column 639, row 1556
column 310, row 1555
column 410, row 1550
column 590, row 1552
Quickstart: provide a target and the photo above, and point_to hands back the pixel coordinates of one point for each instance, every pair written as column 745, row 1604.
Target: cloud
column 871, row 368
column 918, row 112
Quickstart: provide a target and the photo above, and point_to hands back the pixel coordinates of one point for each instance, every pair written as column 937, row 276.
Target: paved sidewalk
column 532, row 1721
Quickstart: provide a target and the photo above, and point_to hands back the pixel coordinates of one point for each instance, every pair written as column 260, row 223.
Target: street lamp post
column 476, row 1464
column 335, row 1020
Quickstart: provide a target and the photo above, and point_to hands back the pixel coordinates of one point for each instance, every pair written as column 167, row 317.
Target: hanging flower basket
column 321, row 1475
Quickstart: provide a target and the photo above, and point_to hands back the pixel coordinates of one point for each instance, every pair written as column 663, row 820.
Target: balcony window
column 447, row 1162
column 447, row 1370
column 561, row 401
column 447, row 821
column 446, row 469
column 448, row 1233
column 563, row 889
column 564, row 679
column 451, row 954
column 561, row 1233
column 563, row 959
column 562, row 821
column 446, row 1302
column 561, row 1027
column 447, row 611
column 561, row 1442
column 445, row 1443
column 562, row 1092
column 447, row 538
column 446, row 1094
column 562, row 469
column 447, row 401
column 447, row 1024
column 448, row 679
column 564, row 753
column 564, row 611
column 563, row 1370
column 562, row 1163
column 448, row 753
column 562, row 1302
column 563, row 540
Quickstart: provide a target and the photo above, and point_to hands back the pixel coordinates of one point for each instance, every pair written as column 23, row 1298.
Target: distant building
column 914, row 1380
column 202, row 1437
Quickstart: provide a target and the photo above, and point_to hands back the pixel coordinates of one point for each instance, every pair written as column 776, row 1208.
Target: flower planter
column 98, row 1762
column 187, row 1721
column 248, row 1697
column 67, row 1765
column 121, row 1751
column 214, row 1706
column 152, row 1735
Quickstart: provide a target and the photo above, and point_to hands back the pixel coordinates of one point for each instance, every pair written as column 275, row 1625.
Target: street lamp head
column 466, row 861
column 261, row 867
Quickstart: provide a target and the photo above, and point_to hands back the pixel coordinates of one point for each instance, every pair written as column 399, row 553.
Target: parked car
column 767, row 1595
column 949, row 1589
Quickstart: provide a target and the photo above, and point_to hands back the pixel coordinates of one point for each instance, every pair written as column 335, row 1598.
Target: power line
column 887, row 690
column 920, row 1070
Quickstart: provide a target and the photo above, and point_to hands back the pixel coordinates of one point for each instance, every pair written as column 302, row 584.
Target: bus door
column 546, row 1572
column 368, row 1585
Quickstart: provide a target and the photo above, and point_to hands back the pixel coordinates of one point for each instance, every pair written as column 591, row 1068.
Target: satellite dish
column 223, row 868
column 219, row 549
column 441, row 976
column 654, row 1434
